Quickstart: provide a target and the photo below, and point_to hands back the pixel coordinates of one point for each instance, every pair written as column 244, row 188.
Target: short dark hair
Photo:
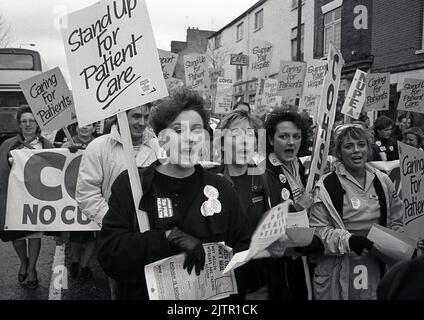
column 280, row 115
column 382, row 122
column 401, row 117
column 169, row 109
column 416, row 132
column 25, row 109
column 363, row 117
column 242, row 103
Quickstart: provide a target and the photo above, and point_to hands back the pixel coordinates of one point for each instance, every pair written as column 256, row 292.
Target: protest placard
column 50, row 100
column 224, row 95
column 41, row 192
column 412, row 179
column 168, row 61
column 412, row 95
column 112, row 58
column 212, row 78
column 355, row 99
column 290, row 81
column 260, row 57
column 195, row 67
column 167, row 280
column 377, row 92
column 270, row 93
column 326, row 115
column 314, row 79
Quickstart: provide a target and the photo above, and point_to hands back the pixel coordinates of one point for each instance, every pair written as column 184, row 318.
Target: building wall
column 278, row 20
column 397, row 35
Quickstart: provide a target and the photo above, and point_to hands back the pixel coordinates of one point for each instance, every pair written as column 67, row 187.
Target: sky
column 37, row 21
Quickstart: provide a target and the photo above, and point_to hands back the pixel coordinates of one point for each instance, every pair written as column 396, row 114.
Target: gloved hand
column 315, row 247
column 195, row 254
column 358, row 243
column 74, row 148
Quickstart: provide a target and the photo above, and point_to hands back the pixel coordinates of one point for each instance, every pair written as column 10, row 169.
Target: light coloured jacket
column 101, row 164
column 333, row 272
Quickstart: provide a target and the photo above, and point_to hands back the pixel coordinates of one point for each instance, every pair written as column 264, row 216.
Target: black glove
column 358, row 243
column 315, row 247
column 195, row 254
column 73, row 148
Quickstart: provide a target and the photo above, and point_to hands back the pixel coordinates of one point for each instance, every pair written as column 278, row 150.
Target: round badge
column 283, row 178
column 391, row 148
column 356, row 203
column 285, row 194
column 215, row 205
column 211, row 192
column 378, row 143
column 206, row 209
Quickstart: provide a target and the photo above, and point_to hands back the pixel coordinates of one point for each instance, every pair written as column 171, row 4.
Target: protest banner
column 41, row 192
column 260, row 57
column 412, row 176
column 224, row 95
column 112, row 58
column 314, row 79
column 50, row 100
column 412, row 96
column 290, row 81
column 239, row 60
column 167, row 280
column 377, row 92
column 326, row 115
column 168, row 61
column 195, row 67
column 355, row 99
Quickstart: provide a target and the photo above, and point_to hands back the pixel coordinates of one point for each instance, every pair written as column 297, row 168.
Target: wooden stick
column 68, row 135
column 135, row 182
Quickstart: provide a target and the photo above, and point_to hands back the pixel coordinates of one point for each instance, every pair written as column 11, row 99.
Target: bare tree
column 5, row 33
column 217, row 57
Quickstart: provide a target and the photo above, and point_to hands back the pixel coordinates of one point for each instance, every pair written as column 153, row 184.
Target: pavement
column 55, row 283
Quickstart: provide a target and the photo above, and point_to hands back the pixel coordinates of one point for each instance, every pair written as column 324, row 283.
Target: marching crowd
column 191, row 199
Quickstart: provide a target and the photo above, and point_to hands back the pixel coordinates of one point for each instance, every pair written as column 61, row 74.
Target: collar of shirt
column 369, row 174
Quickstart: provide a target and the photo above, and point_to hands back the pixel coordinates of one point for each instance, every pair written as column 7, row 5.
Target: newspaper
column 167, row 280
column 279, row 230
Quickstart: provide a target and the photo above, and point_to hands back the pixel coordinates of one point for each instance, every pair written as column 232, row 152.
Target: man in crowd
column 103, row 161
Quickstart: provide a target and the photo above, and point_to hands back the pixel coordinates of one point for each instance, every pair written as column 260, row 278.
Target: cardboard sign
column 314, row 79
column 239, row 60
column 326, row 115
column 290, row 81
column 50, row 100
column 168, row 61
column 195, row 67
column 41, row 193
column 260, row 57
column 270, row 93
column 224, row 95
column 212, row 77
column 377, row 92
column 412, row 96
column 355, row 99
column 412, row 179
column 112, row 58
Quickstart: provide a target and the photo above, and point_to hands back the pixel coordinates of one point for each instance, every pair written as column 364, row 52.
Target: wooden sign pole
column 135, row 182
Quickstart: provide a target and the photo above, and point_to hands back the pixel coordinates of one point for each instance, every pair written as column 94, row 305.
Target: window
column 332, row 28
column 16, row 61
column 293, row 39
column 218, row 41
column 240, row 31
column 422, row 37
column 239, row 73
column 259, row 19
